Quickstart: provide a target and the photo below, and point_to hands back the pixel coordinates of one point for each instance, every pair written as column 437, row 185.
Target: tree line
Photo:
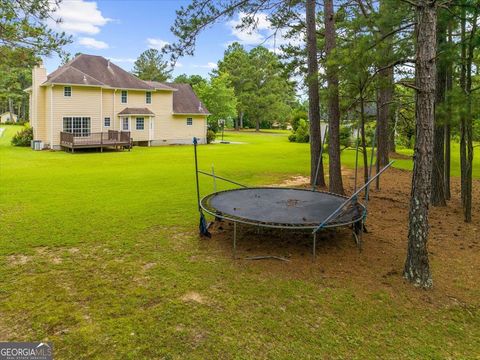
column 249, row 88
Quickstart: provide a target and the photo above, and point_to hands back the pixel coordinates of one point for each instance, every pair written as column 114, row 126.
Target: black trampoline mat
column 281, row 206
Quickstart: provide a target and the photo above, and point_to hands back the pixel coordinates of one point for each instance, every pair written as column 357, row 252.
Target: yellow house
column 91, row 100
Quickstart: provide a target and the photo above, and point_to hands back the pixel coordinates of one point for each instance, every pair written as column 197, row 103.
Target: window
column 106, row 122
column 78, row 126
column 148, row 97
column 67, row 91
column 125, row 126
column 140, row 124
column 124, row 98
column 189, row 121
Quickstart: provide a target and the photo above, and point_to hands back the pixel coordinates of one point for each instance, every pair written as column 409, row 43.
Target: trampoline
column 281, row 207
column 284, row 208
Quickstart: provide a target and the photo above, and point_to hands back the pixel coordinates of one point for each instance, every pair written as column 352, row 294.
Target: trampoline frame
column 356, row 223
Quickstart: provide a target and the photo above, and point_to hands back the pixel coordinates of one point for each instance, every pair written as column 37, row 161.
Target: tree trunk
column 463, row 87
column 313, row 96
column 334, row 163
column 417, row 269
column 257, row 125
column 391, row 131
column 364, row 142
column 241, row 120
column 384, row 89
column 438, row 163
column 384, row 98
column 10, row 109
column 447, row 130
column 467, row 207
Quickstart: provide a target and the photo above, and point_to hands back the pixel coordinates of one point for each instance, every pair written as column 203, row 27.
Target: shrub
column 345, row 136
column 23, row 137
column 298, row 115
column 301, row 135
column 210, row 136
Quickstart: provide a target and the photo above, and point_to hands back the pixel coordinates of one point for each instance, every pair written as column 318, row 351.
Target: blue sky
column 121, row 30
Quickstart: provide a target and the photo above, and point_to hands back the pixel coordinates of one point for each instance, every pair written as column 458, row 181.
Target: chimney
column 39, row 74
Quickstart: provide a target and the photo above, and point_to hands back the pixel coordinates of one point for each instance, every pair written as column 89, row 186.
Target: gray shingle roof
column 96, row 71
column 136, row 111
column 159, row 85
column 185, row 101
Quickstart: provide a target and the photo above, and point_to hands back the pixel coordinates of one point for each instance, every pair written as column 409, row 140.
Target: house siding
column 51, row 106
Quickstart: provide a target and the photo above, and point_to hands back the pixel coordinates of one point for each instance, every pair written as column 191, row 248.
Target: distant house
column 92, row 98
column 7, row 116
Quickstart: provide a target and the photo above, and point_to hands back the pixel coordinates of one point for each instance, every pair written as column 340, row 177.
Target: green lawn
column 99, row 253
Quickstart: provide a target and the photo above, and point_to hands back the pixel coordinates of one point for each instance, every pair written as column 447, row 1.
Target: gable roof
column 96, row 71
column 185, row 101
column 92, row 70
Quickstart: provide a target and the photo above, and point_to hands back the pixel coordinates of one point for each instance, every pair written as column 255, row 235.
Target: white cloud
column 209, row 65
column 156, row 43
column 78, row 17
column 92, row 43
column 262, row 33
column 178, row 64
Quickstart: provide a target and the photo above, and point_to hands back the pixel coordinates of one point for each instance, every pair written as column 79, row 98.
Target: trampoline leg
column 314, row 246
column 357, row 235
column 234, row 240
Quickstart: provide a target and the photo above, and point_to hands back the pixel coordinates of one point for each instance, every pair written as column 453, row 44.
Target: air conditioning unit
column 37, row 145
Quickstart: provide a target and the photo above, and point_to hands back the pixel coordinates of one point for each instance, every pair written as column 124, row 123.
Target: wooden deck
column 112, row 139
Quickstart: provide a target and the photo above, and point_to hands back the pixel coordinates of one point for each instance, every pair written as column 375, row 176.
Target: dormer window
column 124, row 97
column 67, row 91
column 148, row 97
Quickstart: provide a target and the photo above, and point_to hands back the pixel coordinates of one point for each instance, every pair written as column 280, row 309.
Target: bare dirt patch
column 195, row 297
column 454, row 247
column 18, row 259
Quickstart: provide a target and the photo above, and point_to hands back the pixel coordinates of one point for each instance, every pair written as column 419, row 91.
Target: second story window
column 189, row 121
column 148, row 97
column 67, row 91
column 124, row 98
column 106, row 122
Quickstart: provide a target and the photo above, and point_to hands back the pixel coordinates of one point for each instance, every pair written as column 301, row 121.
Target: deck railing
column 100, row 139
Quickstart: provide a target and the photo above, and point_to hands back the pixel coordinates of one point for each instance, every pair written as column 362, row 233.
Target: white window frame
column 65, row 91
column 126, row 96
column 148, row 99
column 143, row 123
column 189, row 121
column 81, row 131
column 105, row 121
column 125, row 120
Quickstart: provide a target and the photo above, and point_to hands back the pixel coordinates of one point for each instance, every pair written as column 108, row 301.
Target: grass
column 99, row 253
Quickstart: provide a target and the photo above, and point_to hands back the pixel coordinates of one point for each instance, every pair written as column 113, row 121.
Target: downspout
column 114, row 118
column 101, row 109
column 51, row 117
